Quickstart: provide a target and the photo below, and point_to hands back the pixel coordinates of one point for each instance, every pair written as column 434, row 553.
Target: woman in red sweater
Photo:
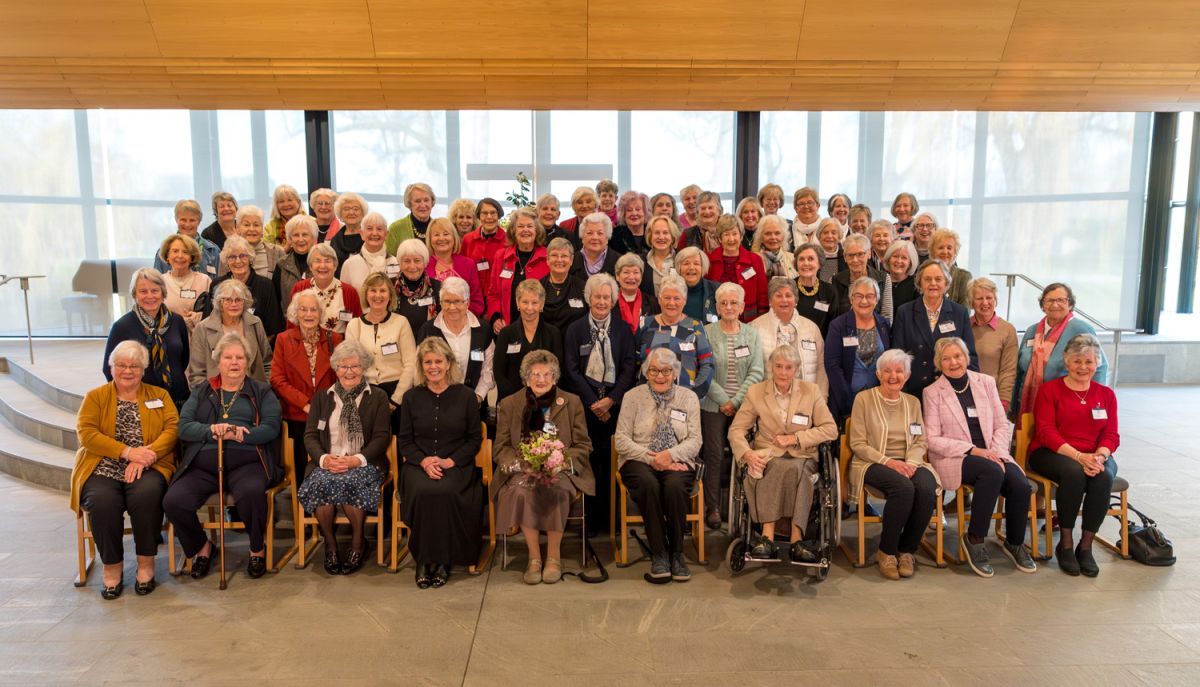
column 1075, row 435
column 732, row 263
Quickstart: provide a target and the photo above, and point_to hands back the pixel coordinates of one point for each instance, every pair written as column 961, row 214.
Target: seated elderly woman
column 634, row 303
column 339, row 301
column 692, row 264
column 441, row 494
column 237, row 254
column 1040, row 357
column 528, row 332
column 245, row 413
column 945, row 246
column 264, row 255
column 127, row 433
column 671, row 328
column 920, row 323
column 732, row 263
column 523, row 500
column 790, row 420
column 855, row 342
column 151, row 323
column 782, row 326
column 658, row 440
column 887, row 439
column 564, row 289
column 233, row 312
column 181, row 256
column 347, row 437
column 1075, row 436
column 968, row 436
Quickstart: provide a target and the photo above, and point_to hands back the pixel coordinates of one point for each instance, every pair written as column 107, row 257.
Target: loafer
column 441, row 575
column 887, row 565
column 1067, row 561
column 202, row 564
column 713, row 520
column 257, row 567
column 424, row 579
column 765, row 549
column 1087, row 562
column 977, row 557
column 1020, row 558
column 660, row 566
column 906, row 565
column 333, row 564
column 533, row 572
column 553, row 571
column 679, row 568
column 144, row 588
column 803, row 552
column 114, row 592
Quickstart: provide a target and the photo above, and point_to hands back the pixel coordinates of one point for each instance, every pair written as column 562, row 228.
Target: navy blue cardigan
column 839, row 360
column 910, row 331
column 178, row 352
column 577, row 340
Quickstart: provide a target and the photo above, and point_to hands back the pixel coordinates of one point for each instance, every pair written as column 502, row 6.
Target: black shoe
column 354, row 561
column 1087, row 562
column 765, row 549
column 144, row 588
column 333, row 564
column 441, row 575
column 1067, row 561
column 257, row 567
column 201, row 564
column 424, row 580
column 110, row 593
column 803, row 552
column 713, row 520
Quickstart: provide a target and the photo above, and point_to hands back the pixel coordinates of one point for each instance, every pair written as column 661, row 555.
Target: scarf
column 1043, row 346
column 154, row 327
column 772, row 264
column 350, row 420
column 631, row 311
column 600, row 366
column 886, row 307
column 310, row 351
column 537, row 410
column 663, row 437
column 416, row 290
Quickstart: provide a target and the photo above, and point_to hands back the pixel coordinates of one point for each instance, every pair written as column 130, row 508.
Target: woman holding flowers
column 541, row 456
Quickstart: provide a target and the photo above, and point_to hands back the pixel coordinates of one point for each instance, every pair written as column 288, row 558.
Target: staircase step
column 34, row 461
column 32, row 415
column 27, row 375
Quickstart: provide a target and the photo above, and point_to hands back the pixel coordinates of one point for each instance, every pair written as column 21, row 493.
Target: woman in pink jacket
column 968, row 436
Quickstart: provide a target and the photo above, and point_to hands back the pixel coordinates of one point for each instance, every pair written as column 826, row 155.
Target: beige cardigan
column 761, row 410
column 635, row 425
column 868, row 437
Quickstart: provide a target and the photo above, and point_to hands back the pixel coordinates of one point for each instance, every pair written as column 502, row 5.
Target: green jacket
column 750, row 368
column 399, row 231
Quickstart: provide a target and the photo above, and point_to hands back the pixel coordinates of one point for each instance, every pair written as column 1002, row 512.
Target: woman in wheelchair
column 347, row 437
column 1075, row 435
column 887, row 439
column 523, row 501
column 968, row 436
column 658, row 440
column 790, row 420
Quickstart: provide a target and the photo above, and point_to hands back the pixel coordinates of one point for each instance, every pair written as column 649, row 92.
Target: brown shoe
column 887, row 565
column 907, row 565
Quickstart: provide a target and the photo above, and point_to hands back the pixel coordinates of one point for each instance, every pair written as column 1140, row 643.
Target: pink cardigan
column 470, row 273
column 947, row 434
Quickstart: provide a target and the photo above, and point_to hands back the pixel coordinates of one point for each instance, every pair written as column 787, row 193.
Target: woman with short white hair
column 691, row 265
column 595, row 233
column 373, row 257
column 339, row 301
column 684, row 336
column 265, row 254
column 350, row 209
column 231, row 314
column 565, row 302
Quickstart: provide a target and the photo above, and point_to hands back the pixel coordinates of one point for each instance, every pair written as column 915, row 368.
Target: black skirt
column 443, row 515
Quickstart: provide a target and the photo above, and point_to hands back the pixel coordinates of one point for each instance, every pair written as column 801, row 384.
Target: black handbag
column 1147, row 544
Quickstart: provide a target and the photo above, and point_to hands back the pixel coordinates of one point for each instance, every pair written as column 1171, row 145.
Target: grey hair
column 248, row 210
column 559, row 243
column 662, row 356
column 630, row 260
column 691, row 252
column 940, row 346
column 539, row 357
column 230, row 339
column 301, row 221
column 599, row 280
column 773, row 219
column 238, row 289
column 351, row 349
column 862, row 281
column 673, row 281
column 881, row 224
column 980, row 283
column 457, row 286
column 784, row 351
column 930, row 215
column 129, row 349
column 909, row 250
column 778, row 283
column 931, row 262
column 532, row 286
column 324, row 250
column 151, row 275
column 894, row 356
column 547, row 199
column 731, row 288
column 598, row 218
column 233, row 245
column 912, row 200
column 293, row 309
column 350, row 197
column 859, row 240
column 412, row 247
column 1081, row 344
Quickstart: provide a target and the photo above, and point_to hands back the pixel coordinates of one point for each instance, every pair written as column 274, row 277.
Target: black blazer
column 910, row 332
column 624, row 241
column 841, row 288
column 376, row 421
column 568, row 305
column 575, row 359
column 557, row 232
column 511, row 348
column 822, row 314
column 481, row 338
column 609, row 268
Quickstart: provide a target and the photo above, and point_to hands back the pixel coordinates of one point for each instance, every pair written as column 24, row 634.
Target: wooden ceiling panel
column 1144, row 31
column 112, row 28
column 479, row 28
column 694, row 29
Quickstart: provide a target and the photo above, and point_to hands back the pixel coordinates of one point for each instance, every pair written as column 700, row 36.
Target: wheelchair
column 824, row 521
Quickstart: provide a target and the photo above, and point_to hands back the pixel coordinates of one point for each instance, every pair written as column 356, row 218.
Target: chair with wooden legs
column 86, row 546
column 934, row 549
column 624, row 514
column 578, row 515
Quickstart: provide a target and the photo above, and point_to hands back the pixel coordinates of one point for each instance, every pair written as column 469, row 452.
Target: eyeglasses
column 541, row 375
column 1056, row 301
column 240, row 256
column 855, row 255
column 728, row 303
column 925, row 225
column 455, row 302
column 659, row 371
column 128, row 366
column 806, row 204
column 863, row 297
column 349, row 368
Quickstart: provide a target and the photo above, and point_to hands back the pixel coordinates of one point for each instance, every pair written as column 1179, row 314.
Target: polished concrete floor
column 1132, row 625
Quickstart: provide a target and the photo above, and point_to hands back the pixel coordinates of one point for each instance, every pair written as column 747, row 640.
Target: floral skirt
column 358, row 487
column 538, row 507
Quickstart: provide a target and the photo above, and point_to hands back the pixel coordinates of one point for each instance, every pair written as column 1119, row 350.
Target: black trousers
column 245, row 480
column 910, row 504
column 662, row 499
column 714, row 432
column 299, row 453
column 990, row 483
column 106, row 501
column 601, row 434
column 1076, row 488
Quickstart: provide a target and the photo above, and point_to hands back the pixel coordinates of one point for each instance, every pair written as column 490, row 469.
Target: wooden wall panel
column 694, row 29
column 116, row 28
column 1141, row 31
column 480, row 28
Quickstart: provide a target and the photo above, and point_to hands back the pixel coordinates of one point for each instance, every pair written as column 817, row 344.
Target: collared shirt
column 337, row 438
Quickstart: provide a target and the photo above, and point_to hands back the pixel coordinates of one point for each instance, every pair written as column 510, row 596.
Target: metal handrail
column 1010, row 280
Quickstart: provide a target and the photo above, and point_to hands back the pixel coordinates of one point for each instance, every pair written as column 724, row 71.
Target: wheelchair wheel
column 735, row 555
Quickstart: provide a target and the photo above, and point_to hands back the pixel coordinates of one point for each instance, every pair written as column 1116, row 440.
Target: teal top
column 747, row 356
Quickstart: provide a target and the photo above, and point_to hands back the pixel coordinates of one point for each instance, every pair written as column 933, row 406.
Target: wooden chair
column 935, row 549
column 86, row 545
column 1020, row 455
column 622, row 516
column 401, row 531
column 303, row 520
column 1046, row 486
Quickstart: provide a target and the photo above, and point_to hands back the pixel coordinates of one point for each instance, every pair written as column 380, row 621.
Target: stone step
column 34, row 461
column 32, row 415
column 35, row 379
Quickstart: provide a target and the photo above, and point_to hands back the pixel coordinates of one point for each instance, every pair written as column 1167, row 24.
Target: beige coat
column 868, row 437
column 810, row 344
column 209, row 332
column 761, row 410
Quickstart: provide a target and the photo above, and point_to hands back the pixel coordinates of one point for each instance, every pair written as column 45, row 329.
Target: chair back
column 845, row 456
column 483, row 458
column 1024, row 438
column 287, row 451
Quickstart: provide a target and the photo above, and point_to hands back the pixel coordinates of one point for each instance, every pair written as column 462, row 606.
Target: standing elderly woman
column 599, row 361
column 184, row 284
column 441, row 494
column 583, row 203
column 301, row 233
column 923, row 227
column 663, row 205
column 661, row 235
column 153, row 325
column 264, row 255
column 770, row 245
column 852, row 349
column 899, row 286
column 692, row 264
column 732, row 263
column 1040, row 355
column 347, row 435
column 444, row 260
column 673, row 329
column 300, row 369
column 658, row 440
column 855, row 249
column 595, row 255
column 749, row 213
column 339, row 301
column 903, row 208
column 388, row 337
column 482, row 244
column 920, row 323
column 461, row 214
column 783, row 326
column 187, row 221
column 534, row 506
column 373, row 257
column 968, row 436
column 881, row 234
column 528, row 333
column 815, row 299
column 548, row 213
column 351, row 209
column 995, row 339
column 737, row 365
column 418, row 295
column 860, row 220
column 689, row 197
column 231, row 314
column 838, row 208
column 237, row 254
column 629, row 236
column 790, row 420
column 700, row 234
column 634, row 304
column 829, row 238
column 224, row 224
column 564, row 288
column 245, row 413
column 807, row 205
column 127, row 432
column 1075, row 436
column 523, row 258
column 469, row 339
column 419, row 199
column 285, row 204
column 945, row 246
column 887, row 440
column 321, row 203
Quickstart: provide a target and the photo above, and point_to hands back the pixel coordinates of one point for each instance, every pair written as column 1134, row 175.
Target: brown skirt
column 785, row 490
column 541, row 508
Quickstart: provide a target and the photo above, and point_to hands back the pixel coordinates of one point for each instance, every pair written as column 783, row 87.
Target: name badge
column 575, row 302
column 482, row 265
column 187, row 293
column 808, row 344
column 1029, row 343
column 849, row 341
column 821, row 305
column 687, row 346
column 585, row 349
column 210, row 269
column 671, row 270
column 477, row 355
column 250, row 310
column 741, row 352
column 514, row 348
column 154, row 403
column 389, row 349
column 320, row 425
column 425, row 302
column 915, row 429
column 1097, row 414
column 748, row 273
column 506, row 274
column 971, row 412
column 678, row 415
column 711, row 317
column 946, row 327
column 393, row 271
column 549, row 428
column 800, row 419
column 345, row 316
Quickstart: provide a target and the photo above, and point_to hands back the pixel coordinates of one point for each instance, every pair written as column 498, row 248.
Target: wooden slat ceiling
column 585, row 54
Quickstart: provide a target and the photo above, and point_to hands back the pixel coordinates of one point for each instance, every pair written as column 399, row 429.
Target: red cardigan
column 1059, row 418
column 350, row 299
column 500, row 292
column 751, row 276
column 481, row 249
column 290, row 376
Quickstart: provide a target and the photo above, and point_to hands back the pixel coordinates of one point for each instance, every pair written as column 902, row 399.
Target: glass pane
column 839, row 156
column 1040, row 153
column 674, row 149
column 1183, row 156
column 381, row 152
column 237, row 157
column 1174, row 255
column 494, row 138
column 134, row 231
column 52, row 298
column 42, row 160
column 783, row 153
column 141, row 153
column 928, row 154
column 286, row 152
column 583, row 138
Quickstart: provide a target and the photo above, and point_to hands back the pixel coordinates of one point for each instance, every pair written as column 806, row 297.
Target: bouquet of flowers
column 542, row 458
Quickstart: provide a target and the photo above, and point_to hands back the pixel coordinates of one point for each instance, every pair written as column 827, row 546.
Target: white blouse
column 362, row 264
column 460, row 345
column 337, row 440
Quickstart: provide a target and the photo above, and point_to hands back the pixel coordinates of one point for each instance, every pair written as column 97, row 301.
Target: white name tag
column 549, row 428
column 425, row 302
column 345, row 316
column 808, row 345
column 821, row 305
column 971, row 412
column 187, row 293
column 800, row 419
column 575, row 302
column 320, row 425
column 915, row 429
column 389, row 349
column 748, row 273
column 671, row 270
column 849, row 341
column 1029, row 343
column 946, row 327
column 393, row 271
column 741, row 352
column 514, row 348
column 506, row 274
column 477, row 355
column 687, row 346
column 1099, row 414
column 678, row 415
column 210, row 269
column 482, row 265
column 711, row 318
column 250, row 310
column 154, row 403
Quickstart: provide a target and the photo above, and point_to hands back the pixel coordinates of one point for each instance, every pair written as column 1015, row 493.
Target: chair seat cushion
column 1120, row 484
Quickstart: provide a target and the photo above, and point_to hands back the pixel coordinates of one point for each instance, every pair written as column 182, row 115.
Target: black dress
column 564, row 302
column 511, row 347
column 444, row 515
column 818, row 307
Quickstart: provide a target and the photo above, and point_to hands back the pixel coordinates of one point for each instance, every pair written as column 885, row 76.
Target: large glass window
column 674, row 149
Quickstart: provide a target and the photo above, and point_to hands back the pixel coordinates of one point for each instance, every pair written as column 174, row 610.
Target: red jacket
column 482, row 249
column 500, row 292
column 350, row 302
column 290, row 376
column 751, row 276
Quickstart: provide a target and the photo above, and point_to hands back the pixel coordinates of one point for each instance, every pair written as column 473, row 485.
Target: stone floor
column 1132, row 625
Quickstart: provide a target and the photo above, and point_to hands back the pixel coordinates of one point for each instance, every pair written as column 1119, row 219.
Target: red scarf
column 631, row 311
column 1043, row 346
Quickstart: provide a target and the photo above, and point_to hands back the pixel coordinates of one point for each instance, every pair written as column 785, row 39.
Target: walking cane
column 221, row 508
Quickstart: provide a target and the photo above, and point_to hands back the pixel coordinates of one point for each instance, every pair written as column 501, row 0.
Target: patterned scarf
column 350, row 419
column 1043, row 346
column 154, row 328
column 663, row 437
column 886, row 306
column 415, row 291
column 771, row 263
column 600, row 366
